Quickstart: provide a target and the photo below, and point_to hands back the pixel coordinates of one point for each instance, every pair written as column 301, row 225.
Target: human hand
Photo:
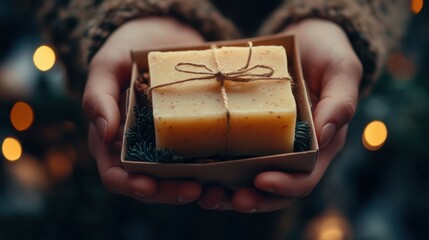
column 333, row 73
column 104, row 103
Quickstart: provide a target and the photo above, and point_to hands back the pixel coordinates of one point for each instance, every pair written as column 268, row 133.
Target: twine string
column 243, row 74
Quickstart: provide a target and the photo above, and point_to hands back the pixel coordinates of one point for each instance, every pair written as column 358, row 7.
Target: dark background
column 53, row 190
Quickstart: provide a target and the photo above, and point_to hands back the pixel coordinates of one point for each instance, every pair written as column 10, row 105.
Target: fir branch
column 146, row 151
column 141, row 138
column 302, row 137
column 143, row 128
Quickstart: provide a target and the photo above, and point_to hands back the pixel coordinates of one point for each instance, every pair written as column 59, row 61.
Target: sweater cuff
column 199, row 14
column 372, row 27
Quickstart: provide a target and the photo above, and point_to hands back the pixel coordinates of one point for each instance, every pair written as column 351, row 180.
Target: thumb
column 338, row 98
column 100, row 101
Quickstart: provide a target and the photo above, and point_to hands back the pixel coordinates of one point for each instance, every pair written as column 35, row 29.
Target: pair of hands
column 331, row 69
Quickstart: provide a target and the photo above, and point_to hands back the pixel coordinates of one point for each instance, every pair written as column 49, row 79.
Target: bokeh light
column 29, row 172
column 331, row 233
column 401, row 67
column 44, row 58
column 21, row 116
column 374, row 135
column 330, row 225
column 416, row 6
column 59, row 164
column 11, row 149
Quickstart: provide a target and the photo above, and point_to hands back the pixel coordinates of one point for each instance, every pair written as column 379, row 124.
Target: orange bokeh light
column 401, row 67
column 416, row 6
column 59, row 164
column 11, row 149
column 29, row 172
column 21, row 116
column 374, row 135
column 331, row 233
column 44, row 58
column 331, row 225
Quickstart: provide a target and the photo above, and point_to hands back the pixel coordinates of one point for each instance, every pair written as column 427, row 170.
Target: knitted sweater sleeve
column 78, row 28
column 374, row 27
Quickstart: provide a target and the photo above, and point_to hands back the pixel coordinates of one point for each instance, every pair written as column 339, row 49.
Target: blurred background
column 377, row 188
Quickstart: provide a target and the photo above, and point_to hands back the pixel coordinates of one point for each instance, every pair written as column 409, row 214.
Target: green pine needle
column 146, row 151
column 141, row 138
column 302, row 137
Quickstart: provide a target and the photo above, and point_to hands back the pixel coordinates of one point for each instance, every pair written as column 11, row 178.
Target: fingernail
column 139, row 194
column 101, row 125
column 253, row 210
column 270, row 190
column 214, row 207
column 328, row 132
column 181, row 199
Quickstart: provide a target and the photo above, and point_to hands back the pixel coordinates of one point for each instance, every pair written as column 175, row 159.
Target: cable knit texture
column 64, row 23
column 78, row 28
column 199, row 14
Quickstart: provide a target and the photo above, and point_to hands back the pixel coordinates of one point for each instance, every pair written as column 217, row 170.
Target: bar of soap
column 190, row 118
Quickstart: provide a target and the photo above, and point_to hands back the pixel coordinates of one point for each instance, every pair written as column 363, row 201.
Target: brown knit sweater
column 78, row 28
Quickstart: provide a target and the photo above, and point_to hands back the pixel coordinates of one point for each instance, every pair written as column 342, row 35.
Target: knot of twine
column 243, row 74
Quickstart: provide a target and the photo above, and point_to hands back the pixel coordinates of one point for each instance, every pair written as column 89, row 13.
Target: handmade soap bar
column 191, row 117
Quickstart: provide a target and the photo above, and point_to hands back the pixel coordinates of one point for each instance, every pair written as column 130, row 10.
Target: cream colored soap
column 191, row 118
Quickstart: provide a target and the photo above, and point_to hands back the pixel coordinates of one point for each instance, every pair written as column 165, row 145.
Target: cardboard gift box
column 234, row 173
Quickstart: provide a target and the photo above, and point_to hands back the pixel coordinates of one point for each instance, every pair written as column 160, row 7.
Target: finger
column 251, row 201
column 175, row 192
column 338, row 98
column 280, row 183
column 117, row 180
column 301, row 184
column 101, row 96
column 215, row 198
column 114, row 178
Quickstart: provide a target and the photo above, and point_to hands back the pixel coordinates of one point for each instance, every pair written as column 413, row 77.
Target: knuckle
column 87, row 103
column 95, row 62
column 353, row 65
column 348, row 108
column 358, row 67
column 349, row 63
column 306, row 189
column 108, row 185
column 109, row 180
column 99, row 59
